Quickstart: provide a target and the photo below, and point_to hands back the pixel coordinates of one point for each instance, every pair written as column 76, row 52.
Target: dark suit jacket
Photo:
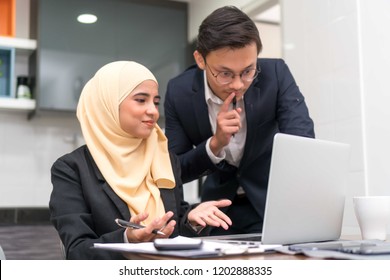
column 83, row 206
column 273, row 103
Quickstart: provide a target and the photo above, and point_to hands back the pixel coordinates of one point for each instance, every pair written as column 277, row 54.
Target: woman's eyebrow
column 146, row 95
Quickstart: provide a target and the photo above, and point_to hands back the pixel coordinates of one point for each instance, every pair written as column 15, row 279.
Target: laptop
column 306, row 193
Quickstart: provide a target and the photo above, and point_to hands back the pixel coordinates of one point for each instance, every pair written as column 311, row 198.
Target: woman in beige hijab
column 124, row 171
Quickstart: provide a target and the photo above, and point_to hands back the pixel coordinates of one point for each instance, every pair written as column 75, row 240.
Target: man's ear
column 199, row 60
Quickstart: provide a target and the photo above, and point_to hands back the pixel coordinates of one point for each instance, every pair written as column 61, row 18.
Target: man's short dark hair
column 227, row 27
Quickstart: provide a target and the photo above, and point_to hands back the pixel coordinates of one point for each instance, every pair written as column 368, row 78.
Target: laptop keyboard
column 250, row 239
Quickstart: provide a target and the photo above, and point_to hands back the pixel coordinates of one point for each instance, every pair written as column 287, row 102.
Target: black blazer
column 273, row 103
column 83, row 206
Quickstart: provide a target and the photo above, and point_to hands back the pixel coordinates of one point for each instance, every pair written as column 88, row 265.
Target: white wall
column 375, row 72
column 200, row 9
column 338, row 53
column 27, row 151
column 22, row 18
column 270, row 35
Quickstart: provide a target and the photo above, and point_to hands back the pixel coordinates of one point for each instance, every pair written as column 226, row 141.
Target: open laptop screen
column 306, row 190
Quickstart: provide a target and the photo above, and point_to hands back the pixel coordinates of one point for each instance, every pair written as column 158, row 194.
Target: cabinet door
column 7, row 61
column 69, row 53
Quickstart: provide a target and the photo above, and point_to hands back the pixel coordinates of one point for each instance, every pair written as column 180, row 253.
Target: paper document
column 208, row 248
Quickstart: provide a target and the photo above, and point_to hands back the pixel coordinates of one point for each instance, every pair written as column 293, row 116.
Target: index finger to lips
column 226, row 103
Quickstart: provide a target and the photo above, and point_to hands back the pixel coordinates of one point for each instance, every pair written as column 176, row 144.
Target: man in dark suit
column 222, row 114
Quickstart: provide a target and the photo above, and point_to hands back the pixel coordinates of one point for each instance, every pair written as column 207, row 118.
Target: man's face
column 222, row 61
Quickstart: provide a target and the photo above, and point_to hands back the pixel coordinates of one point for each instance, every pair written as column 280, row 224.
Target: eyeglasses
column 226, row 77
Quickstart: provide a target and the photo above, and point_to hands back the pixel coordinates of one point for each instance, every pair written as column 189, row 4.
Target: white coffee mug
column 373, row 215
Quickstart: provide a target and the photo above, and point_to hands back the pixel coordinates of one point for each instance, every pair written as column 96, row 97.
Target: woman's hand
column 146, row 234
column 208, row 213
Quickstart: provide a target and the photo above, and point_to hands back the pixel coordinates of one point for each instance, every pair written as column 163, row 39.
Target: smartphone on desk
column 177, row 243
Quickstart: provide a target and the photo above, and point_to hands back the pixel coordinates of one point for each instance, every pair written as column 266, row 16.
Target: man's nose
column 236, row 82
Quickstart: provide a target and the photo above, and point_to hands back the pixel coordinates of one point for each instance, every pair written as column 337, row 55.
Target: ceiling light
column 87, row 18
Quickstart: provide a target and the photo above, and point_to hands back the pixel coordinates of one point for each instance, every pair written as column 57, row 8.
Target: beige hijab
column 134, row 168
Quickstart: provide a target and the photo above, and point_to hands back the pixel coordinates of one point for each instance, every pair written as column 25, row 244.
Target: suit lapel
column 252, row 100
column 117, row 201
column 168, row 197
column 200, row 106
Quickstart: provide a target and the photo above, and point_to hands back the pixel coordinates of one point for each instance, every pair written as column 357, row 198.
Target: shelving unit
column 17, row 104
column 21, row 46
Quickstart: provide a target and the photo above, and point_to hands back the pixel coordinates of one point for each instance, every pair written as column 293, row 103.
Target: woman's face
column 138, row 112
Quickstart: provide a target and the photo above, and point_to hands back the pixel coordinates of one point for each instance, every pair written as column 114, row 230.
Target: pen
column 234, row 102
column 126, row 224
